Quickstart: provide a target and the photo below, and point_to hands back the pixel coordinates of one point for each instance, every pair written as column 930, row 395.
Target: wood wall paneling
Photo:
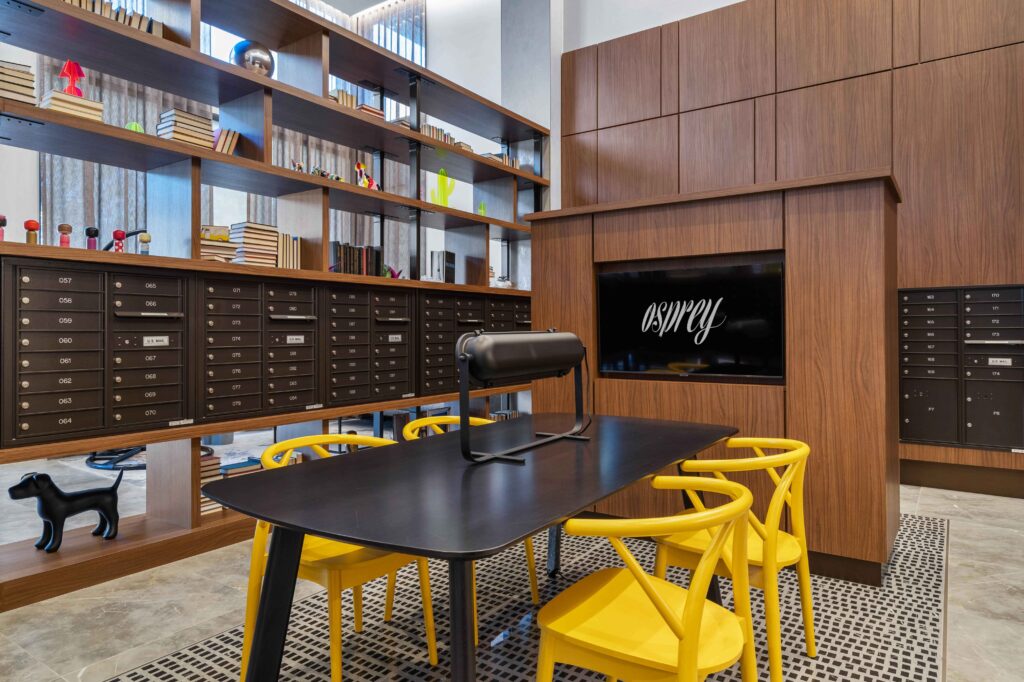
column 727, row 55
column 754, row 410
column 959, row 132
column 734, row 225
column 670, row 69
column 764, row 139
column 835, row 128
column 579, row 90
column 716, row 147
column 563, row 286
column 579, row 169
column 996, row 459
column 638, row 160
column 170, row 482
column 304, row 215
column 840, row 382
column 629, row 78
column 951, row 27
column 906, row 32
column 825, row 41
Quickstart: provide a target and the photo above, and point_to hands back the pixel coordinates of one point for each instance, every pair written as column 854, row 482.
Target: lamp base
column 570, row 436
column 482, row 457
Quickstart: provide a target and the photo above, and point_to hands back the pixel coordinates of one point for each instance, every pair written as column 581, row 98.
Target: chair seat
column 321, row 554
column 787, row 552
column 609, row 612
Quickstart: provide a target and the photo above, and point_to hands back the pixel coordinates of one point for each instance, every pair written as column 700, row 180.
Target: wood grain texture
column 727, row 55
column 906, row 32
column 180, row 19
column 952, row 27
column 638, row 160
column 670, row 69
column 716, row 147
column 958, row 138
column 754, row 410
column 169, row 482
column 732, row 225
column 563, row 284
column 579, row 169
column 994, row 459
column 303, row 63
column 307, row 215
column 250, row 116
column 764, row 139
column 579, row 90
column 172, row 207
column 840, row 380
column 825, row 41
column 835, row 128
column 629, row 78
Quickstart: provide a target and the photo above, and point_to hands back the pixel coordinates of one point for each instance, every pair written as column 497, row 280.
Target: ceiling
column 351, row 7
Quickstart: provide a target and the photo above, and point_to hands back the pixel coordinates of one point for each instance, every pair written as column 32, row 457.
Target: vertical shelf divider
column 180, row 19
column 172, row 208
column 250, row 115
column 307, row 215
column 172, row 468
column 304, row 63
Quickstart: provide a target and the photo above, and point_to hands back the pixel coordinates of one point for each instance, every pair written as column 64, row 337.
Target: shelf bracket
column 25, row 7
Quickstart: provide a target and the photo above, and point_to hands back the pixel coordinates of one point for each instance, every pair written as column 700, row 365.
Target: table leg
column 460, row 596
column 275, row 605
column 554, row 549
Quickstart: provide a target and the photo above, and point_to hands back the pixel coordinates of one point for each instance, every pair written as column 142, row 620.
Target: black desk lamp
column 487, row 360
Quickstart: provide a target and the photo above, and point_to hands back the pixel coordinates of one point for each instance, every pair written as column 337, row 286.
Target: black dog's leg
column 101, row 527
column 112, row 519
column 56, row 534
column 44, row 539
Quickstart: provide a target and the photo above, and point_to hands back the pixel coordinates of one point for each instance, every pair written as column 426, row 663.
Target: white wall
column 19, row 169
column 588, row 22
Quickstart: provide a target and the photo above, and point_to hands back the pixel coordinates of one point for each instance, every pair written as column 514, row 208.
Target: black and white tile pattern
column 892, row 633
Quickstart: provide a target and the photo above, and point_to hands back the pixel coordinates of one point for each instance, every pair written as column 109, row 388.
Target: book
column 256, row 244
column 156, row 28
column 367, row 109
column 186, row 116
column 225, row 141
column 68, row 104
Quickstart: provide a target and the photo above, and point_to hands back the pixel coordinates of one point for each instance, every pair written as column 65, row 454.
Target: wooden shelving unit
column 310, row 49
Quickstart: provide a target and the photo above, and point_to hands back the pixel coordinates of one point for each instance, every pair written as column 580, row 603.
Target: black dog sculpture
column 55, row 506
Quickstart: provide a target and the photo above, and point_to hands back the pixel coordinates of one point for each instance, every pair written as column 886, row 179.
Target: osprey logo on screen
column 668, row 316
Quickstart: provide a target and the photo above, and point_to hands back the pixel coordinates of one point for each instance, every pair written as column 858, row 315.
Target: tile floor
column 100, row 631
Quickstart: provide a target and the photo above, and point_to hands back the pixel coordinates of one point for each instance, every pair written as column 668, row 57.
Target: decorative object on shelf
column 364, row 178
column 73, row 72
column 55, row 506
column 65, row 231
column 144, row 240
column 3, row 224
column 298, row 166
column 392, row 273
column 17, row 82
column 371, row 110
column 503, row 282
column 71, row 100
column 215, row 244
column 135, row 127
column 253, row 56
column 119, row 237
column 442, row 266
column 320, row 172
column 504, row 159
column 182, row 126
column 92, row 238
column 482, row 209
column 225, row 141
column 445, row 187
column 31, row 231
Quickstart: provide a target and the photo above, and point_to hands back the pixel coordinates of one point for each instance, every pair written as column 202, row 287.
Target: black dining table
column 422, row 498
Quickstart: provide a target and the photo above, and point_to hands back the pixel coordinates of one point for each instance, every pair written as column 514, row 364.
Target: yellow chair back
column 414, row 428
column 726, row 522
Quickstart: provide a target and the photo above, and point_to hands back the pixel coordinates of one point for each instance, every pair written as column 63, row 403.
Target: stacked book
column 225, row 141
column 76, row 106
column 209, row 470
column 356, row 260
column 288, row 248
column 17, row 82
column 345, row 99
column 503, row 415
column 505, row 159
column 240, row 467
column 437, row 133
column 373, row 111
column 182, row 126
column 255, row 244
column 215, row 244
column 121, row 15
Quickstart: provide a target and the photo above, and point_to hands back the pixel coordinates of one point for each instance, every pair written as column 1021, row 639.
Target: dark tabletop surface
column 420, row 497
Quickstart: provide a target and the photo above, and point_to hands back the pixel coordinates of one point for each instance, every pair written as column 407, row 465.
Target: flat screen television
column 719, row 318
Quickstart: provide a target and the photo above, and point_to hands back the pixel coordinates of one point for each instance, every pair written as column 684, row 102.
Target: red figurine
column 92, row 235
column 3, row 224
column 65, row 235
column 119, row 237
column 73, row 72
column 31, row 231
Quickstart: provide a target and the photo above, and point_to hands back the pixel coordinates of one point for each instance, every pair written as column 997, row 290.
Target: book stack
column 240, row 467
column 437, row 133
column 121, row 15
column 373, row 111
column 209, row 470
column 505, row 159
column 215, row 244
column 225, row 141
column 503, row 415
column 76, row 106
column 182, row 126
column 255, row 244
column 464, row 146
column 403, row 121
column 345, row 99
column 288, row 248
column 356, row 260
column 17, row 82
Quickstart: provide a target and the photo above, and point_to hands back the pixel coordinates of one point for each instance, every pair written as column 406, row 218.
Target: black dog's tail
column 117, row 483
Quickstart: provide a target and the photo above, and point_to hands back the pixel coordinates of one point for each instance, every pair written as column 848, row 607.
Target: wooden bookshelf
column 310, row 49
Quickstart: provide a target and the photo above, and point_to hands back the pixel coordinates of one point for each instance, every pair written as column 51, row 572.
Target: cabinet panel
column 579, row 90
column 952, row 27
column 579, row 170
column 906, row 32
column 716, row 147
column 994, row 413
column 629, row 78
column 928, row 410
column 638, row 160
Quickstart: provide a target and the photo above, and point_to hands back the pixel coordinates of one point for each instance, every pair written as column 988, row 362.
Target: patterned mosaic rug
column 892, row 633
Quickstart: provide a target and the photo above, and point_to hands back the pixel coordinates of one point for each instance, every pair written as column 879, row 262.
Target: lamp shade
column 519, row 356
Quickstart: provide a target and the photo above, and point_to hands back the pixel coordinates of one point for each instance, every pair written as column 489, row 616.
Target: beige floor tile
column 17, row 665
column 909, row 495
column 970, row 540
column 1002, row 512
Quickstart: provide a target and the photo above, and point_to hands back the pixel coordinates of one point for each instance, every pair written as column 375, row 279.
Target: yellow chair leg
column 803, row 571
column 357, row 606
column 389, row 598
column 545, row 659
column 334, row 623
column 476, row 618
column 773, row 624
column 531, row 567
column 428, row 609
column 661, row 562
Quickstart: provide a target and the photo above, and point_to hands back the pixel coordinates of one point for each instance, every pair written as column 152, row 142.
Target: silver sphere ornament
column 253, row 56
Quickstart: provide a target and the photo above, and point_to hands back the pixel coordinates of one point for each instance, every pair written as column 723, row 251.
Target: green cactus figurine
column 445, row 187
column 135, row 127
column 483, row 209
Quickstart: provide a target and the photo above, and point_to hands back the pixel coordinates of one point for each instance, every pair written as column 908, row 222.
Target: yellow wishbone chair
column 412, row 431
column 768, row 547
column 631, row 625
column 337, row 566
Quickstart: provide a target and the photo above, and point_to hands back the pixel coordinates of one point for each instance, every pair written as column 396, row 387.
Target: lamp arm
column 133, row 233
